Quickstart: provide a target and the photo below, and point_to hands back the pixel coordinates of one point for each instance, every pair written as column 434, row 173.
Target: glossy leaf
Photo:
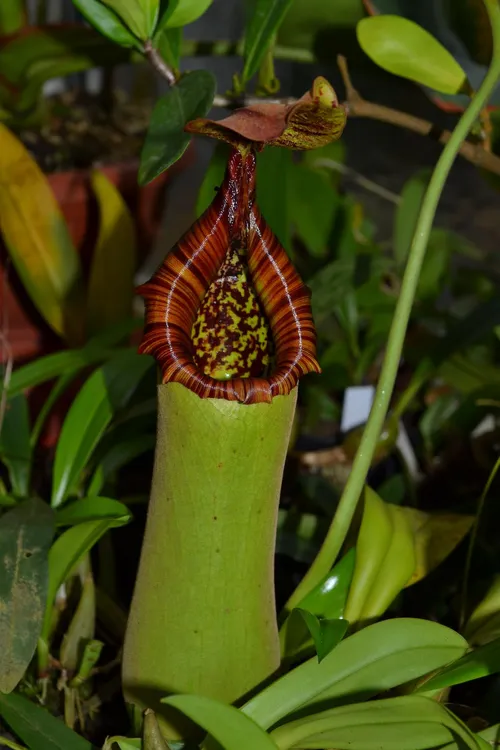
column 15, row 447
column 106, row 21
column 65, row 554
column 139, row 15
column 404, row 48
column 166, row 140
column 53, row 365
column 326, row 634
column 182, row 12
column 265, row 20
column 326, row 600
column 37, row 727
column 480, row 662
column 435, row 536
column 168, row 43
column 119, row 455
column 25, row 536
column 106, row 391
column 92, row 509
column 111, row 283
column 213, row 177
column 38, row 240
column 403, row 723
column 377, row 658
column 407, row 214
column 226, row 724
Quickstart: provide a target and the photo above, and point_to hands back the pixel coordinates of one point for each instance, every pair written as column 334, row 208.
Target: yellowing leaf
column 404, row 48
column 111, row 283
column 436, row 536
column 38, row 240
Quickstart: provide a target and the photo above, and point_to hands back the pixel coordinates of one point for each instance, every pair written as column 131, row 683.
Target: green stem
column 13, row 745
column 223, row 48
column 348, row 502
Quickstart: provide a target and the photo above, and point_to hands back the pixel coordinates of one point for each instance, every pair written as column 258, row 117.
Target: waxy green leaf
column 15, row 447
column 92, row 509
column 181, row 12
column 166, row 141
column 481, row 662
column 404, row 48
column 139, row 15
column 107, row 22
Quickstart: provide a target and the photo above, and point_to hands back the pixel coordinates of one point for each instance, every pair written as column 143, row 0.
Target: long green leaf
column 407, row 214
column 166, row 140
column 15, row 447
column 119, row 455
column 226, row 724
column 92, row 509
column 106, row 391
column 106, row 22
column 375, row 659
column 66, row 552
column 181, row 12
column 263, row 24
column 37, row 727
column 405, row 723
column 25, row 536
column 481, row 662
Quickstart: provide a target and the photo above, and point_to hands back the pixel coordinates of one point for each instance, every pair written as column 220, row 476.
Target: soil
column 81, row 130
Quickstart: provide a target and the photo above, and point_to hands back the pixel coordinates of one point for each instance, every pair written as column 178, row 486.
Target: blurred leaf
column 465, row 376
column 483, row 625
column 15, row 446
column 124, row 743
column 66, row 553
column 182, row 12
column 313, row 204
column 38, row 240
column 436, row 535
column 402, row 723
column 309, row 19
column 81, row 628
column 407, row 214
column 264, row 20
column 92, row 509
column 166, row 141
column 168, row 43
column 393, row 490
column 37, row 727
column 375, row 659
column 30, row 59
column 435, row 418
column 435, row 264
column 106, row 391
column 326, row 633
column 326, row 601
column 12, row 17
column 274, row 166
column 469, row 329
column 107, row 22
column 404, row 48
column 226, row 724
column 111, row 282
column 25, row 536
column 385, row 559
column 53, row 365
column 213, row 177
column 119, row 455
column 153, row 738
column 481, row 662
column 139, row 15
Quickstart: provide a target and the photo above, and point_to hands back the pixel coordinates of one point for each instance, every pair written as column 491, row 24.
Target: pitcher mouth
column 176, row 292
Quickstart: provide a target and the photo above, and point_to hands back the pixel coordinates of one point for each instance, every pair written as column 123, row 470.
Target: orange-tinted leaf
column 111, row 283
column 38, row 241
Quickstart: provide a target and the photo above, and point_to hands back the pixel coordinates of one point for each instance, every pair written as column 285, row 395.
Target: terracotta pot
column 25, row 332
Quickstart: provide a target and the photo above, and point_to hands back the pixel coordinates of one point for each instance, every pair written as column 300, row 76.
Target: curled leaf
column 313, row 121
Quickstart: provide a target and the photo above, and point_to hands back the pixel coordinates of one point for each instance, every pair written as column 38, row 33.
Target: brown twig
column 159, row 63
column 359, row 107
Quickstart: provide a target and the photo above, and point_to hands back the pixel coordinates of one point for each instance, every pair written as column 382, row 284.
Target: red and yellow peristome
column 227, row 315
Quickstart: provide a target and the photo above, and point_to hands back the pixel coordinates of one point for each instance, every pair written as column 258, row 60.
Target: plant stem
column 340, row 525
column 13, row 745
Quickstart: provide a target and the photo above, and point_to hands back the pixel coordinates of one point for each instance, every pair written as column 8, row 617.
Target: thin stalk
column 349, row 500
column 224, row 48
column 13, row 745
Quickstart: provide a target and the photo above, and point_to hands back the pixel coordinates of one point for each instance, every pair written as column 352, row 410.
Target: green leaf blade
column 263, row 24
